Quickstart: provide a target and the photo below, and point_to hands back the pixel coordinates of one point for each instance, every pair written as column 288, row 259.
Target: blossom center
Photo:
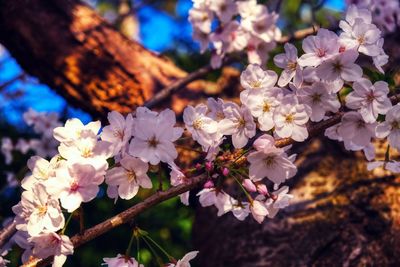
column 337, row 66
column 119, row 134
column 255, row 84
column 316, row 98
column 269, row 161
column 361, row 39
column 289, row 118
column 321, row 52
column 197, row 124
column 266, row 107
column 153, row 142
column 87, row 152
column 370, row 97
column 131, row 175
column 242, row 123
column 74, row 186
column 291, row 65
column 42, row 210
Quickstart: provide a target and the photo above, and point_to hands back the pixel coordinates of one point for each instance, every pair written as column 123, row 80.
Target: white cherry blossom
column 290, row 119
column 121, row 261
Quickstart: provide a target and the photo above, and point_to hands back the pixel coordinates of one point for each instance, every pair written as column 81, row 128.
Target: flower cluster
column 255, row 31
column 385, row 13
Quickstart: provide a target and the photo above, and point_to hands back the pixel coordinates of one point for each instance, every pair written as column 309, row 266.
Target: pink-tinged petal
column 351, row 72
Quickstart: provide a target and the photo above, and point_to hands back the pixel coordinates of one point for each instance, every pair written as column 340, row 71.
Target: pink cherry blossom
column 184, row 262
column 75, row 184
column 319, row 48
column 317, row 100
column 204, row 129
column 129, row 177
column 154, row 135
column 270, row 161
column 74, row 129
column 51, row 244
column 254, row 78
column 121, row 261
column 38, row 211
column 390, row 128
column 341, row 66
column 370, row 100
column 258, row 210
column 281, row 200
column 262, row 104
column 354, row 129
column 119, row 131
column 291, row 69
column 239, row 123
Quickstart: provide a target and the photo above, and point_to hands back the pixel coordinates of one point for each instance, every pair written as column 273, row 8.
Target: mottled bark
column 342, row 215
column 76, row 52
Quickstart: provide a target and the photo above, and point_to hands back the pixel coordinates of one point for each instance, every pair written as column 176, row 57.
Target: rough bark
column 342, row 215
column 76, row 52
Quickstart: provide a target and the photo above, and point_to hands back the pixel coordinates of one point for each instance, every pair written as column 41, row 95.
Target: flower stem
column 152, row 250
column 159, row 247
column 128, row 250
column 66, row 223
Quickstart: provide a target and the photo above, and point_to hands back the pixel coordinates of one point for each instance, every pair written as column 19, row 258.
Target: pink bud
column 225, row 171
column 264, row 142
column 209, row 184
column 262, row 189
column 198, row 166
column 209, row 166
column 249, row 185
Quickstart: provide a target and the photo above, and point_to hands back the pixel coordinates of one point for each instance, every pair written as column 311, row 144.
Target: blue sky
column 167, row 28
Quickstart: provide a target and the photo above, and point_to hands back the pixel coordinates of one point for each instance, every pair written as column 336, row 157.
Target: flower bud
column 262, row 189
column 249, row 185
column 209, row 184
column 209, row 166
column 225, row 171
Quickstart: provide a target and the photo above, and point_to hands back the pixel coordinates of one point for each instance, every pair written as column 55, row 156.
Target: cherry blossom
column 317, row 100
column 390, row 128
column 279, row 201
column 319, row 48
column 254, row 78
column 290, row 119
column 74, row 129
column 258, row 210
column 121, row 261
column 341, row 66
column 51, row 244
column 224, row 9
column 154, row 135
column 204, row 129
column 178, row 178
column 129, row 177
column 262, row 105
column 239, row 123
column 75, row 184
column 38, row 211
column 184, row 262
column 119, row 131
column 354, row 129
column 370, row 100
column 289, row 62
column 270, row 161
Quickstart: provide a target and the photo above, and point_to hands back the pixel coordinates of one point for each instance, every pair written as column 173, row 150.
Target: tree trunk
column 76, row 52
column 341, row 215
